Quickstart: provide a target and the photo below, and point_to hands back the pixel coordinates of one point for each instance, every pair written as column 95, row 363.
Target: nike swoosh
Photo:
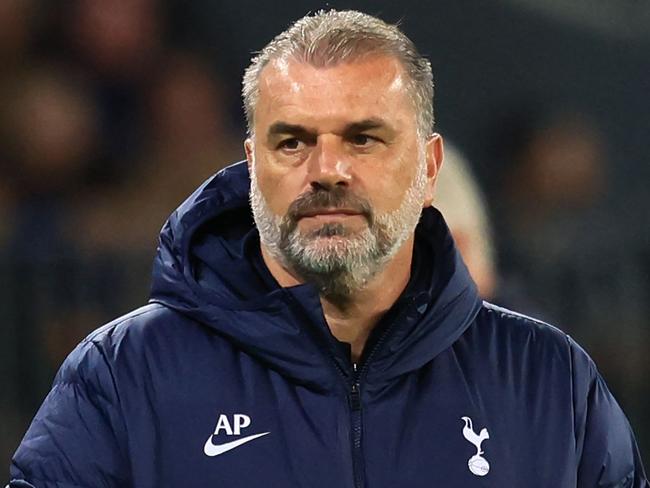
column 212, row 449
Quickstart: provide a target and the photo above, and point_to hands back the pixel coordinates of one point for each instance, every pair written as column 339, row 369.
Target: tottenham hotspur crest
column 476, row 464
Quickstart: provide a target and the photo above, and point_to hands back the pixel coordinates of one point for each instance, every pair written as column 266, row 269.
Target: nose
column 329, row 165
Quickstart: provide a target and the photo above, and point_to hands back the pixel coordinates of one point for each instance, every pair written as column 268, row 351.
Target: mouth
column 329, row 213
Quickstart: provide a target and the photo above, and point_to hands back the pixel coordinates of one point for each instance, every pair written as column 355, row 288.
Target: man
column 460, row 200
column 334, row 341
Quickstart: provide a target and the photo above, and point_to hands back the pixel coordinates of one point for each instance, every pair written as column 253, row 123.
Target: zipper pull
column 355, row 397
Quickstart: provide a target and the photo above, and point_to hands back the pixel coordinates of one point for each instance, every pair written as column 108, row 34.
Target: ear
column 434, row 154
column 249, row 148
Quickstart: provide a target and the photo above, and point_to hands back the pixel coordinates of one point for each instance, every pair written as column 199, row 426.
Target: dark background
column 112, row 112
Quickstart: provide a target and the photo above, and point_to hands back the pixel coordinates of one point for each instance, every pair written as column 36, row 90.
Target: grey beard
column 336, row 261
column 339, row 267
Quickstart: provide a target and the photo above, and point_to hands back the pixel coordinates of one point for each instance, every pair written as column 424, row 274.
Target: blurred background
column 112, row 112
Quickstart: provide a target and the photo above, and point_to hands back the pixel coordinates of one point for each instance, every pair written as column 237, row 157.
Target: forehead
column 361, row 89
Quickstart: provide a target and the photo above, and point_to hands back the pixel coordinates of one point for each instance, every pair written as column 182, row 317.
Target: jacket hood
column 208, row 267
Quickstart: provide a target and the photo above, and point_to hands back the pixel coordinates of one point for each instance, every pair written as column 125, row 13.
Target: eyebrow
column 367, row 124
column 285, row 128
column 281, row 127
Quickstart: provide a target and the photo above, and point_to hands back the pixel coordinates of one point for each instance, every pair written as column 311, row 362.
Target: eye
column 363, row 140
column 291, row 144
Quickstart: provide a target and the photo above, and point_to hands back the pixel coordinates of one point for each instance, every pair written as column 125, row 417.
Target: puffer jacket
column 226, row 380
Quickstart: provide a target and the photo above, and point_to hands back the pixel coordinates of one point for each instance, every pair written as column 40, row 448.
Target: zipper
column 356, row 404
column 354, row 393
column 355, row 417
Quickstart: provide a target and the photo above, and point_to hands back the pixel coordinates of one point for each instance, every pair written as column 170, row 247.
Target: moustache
column 322, row 200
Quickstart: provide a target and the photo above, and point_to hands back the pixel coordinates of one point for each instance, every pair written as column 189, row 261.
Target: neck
column 353, row 321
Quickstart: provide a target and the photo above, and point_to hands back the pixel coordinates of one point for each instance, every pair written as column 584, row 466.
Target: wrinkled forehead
column 364, row 87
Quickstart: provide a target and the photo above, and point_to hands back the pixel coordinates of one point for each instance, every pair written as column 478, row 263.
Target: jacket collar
column 206, row 268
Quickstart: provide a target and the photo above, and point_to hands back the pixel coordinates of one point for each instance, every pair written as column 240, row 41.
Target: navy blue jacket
column 227, row 380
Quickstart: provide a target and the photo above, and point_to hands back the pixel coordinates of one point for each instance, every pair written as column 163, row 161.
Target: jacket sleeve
column 77, row 438
column 607, row 451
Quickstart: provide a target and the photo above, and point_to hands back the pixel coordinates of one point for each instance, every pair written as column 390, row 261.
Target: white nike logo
column 212, row 449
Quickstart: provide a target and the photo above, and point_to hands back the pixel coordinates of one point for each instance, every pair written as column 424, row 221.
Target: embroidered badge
column 477, row 464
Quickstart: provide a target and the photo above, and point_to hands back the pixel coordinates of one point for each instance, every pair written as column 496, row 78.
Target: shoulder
column 136, row 322
column 503, row 324
column 531, row 339
column 516, row 322
column 145, row 325
column 127, row 339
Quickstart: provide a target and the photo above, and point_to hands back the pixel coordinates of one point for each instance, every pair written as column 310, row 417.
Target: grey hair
column 331, row 37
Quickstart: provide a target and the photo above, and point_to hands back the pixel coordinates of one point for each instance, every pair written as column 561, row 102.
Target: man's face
column 339, row 175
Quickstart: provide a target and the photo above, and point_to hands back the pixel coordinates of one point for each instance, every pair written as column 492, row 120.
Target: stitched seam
column 98, row 336
column 491, row 308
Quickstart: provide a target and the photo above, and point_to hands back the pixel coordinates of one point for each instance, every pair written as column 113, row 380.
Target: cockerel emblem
column 477, row 464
